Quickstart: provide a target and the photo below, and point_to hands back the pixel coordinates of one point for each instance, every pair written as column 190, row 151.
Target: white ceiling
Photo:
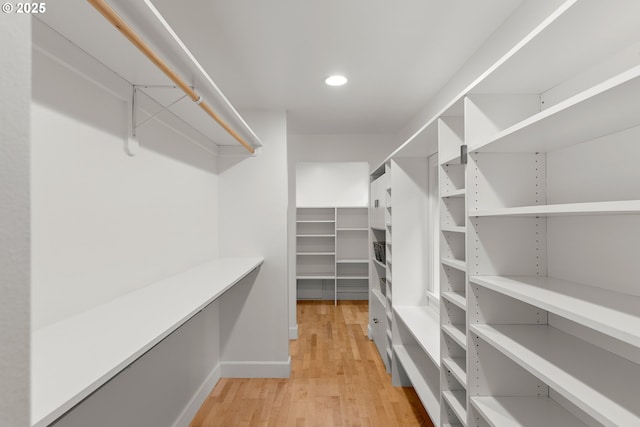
column 276, row 54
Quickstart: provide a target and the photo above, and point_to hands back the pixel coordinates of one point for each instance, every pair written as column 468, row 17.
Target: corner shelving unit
column 331, row 253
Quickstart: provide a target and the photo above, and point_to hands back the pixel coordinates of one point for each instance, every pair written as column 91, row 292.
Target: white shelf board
column 452, row 194
column 353, row 261
column 625, row 207
column 319, row 275
column 74, row 357
column 457, row 298
column 603, row 385
column 379, row 297
column 406, row 354
column 455, row 263
column 353, row 291
column 321, row 221
column 315, row 235
column 352, row 229
column 424, row 324
column 611, row 313
column 605, row 108
column 456, row 332
column 457, row 402
column 316, row 253
column 457, row 366
column 519, row 411
column 353, row 277
column 454, row 228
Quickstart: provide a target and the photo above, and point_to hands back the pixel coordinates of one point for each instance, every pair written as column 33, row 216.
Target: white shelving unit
column 539, row 307
column 331, row 252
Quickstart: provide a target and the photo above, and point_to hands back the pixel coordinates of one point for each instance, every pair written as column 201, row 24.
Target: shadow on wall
column 66, row 92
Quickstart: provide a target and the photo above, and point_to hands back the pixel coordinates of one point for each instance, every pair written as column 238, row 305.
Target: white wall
column 15, row 86
column 344, row 184
column 105, row 224
column 253, row 202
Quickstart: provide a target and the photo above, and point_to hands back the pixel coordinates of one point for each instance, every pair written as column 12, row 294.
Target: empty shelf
column 457, row 366
column 600, row 110
column 407, row 355
column 319, row 275
column 316, row 253
column 624, row 207
column 611, row 313
column 458, row 404
column 455, row 263
column 456, row 332
column 457, row 298
column 600, row 383
column 424, row 324
column 523, row 412
column 454, row 228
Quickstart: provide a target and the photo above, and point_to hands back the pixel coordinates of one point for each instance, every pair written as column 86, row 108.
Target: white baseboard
column 293, row 332
column 189, row 412
column 256, row 369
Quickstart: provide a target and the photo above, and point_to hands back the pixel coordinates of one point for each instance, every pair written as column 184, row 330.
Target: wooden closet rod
column 128, row 32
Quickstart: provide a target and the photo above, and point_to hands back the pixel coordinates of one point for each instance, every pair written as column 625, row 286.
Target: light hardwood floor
column 337, row 379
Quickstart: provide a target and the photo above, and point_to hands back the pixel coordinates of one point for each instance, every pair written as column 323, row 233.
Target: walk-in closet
column 287, row 213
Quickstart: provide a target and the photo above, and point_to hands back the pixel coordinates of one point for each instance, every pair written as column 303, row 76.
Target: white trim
column 293, row 332
column 256, row 369
column 190, row 411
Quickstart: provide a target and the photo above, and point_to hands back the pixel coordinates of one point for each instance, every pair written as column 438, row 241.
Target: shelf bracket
column 132, row 144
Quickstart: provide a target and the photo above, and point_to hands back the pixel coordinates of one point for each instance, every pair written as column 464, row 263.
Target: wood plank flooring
column 337, row 379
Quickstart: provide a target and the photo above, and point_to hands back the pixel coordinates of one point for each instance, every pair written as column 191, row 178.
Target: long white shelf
column 424, row 324
column 318, row 275
column 407, row 355
column 593, row 208
column 315, row 235
column 521, row 411
column 352, row 261
column 74, row 357
column 611, row 313
column 455, row 263
column 456, row 332
column 602, row 384
column 457, row 298
column 315, row 221
column 316, row 253
column 600, row 110
column 352, row 229
column 457, row 402
column 457, row 366
column 353, row 277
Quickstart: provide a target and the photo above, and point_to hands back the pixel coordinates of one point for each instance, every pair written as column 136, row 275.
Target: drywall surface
column 105, row 223
column 15, row 87
column 253, row 201
column 344, row 184
column 372, row 149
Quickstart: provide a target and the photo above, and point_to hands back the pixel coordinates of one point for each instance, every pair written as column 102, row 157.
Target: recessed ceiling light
column 336, row 80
